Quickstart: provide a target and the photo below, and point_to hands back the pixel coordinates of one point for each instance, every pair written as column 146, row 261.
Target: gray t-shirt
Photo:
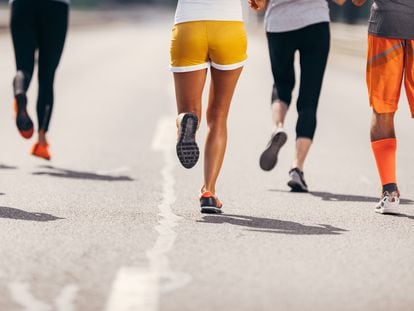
column 392, row 19
column 288, row 15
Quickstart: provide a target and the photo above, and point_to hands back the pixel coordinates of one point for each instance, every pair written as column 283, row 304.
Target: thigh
column 23, row 25
column 227, row 44
column 314, row 51
column 189, row 47
column 409, row 74
column 223, row 84
column 282, row 48
column 385, row 69
column 53, row 25
column 189, row 91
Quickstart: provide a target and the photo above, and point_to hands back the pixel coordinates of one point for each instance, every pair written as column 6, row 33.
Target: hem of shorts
column 177, row 22
column 228, row 67
column 189, row 68
column 384, row 110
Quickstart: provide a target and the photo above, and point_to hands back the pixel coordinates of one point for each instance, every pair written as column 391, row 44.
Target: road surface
column 112, row 222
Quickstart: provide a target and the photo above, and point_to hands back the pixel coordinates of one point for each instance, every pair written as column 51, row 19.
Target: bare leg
column 223, row 84
column 302, row 148
column 42, row 137
column 382, row 126
column 189, row 90
column 279, row 111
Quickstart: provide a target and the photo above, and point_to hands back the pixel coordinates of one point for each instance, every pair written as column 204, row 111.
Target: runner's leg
column 223, row 84
column 314, row 52
column 53, row 29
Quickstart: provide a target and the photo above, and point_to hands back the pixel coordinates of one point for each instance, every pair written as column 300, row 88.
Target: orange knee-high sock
column 385, row 154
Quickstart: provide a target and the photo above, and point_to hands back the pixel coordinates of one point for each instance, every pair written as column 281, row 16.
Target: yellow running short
column 197, row 45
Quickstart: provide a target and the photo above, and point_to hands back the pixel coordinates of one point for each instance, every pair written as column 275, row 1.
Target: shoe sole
column 187, row 149
column 211, row 210
column 387, row 211
column 23, row 122
column 296, row 187
column 268, row 159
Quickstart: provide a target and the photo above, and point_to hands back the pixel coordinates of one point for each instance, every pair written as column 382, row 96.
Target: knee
column 382, row 126
column 216, row 119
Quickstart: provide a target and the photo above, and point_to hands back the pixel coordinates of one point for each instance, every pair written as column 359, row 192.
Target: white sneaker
column 388, row 203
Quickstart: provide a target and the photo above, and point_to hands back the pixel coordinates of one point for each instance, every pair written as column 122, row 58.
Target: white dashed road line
column 140, row 289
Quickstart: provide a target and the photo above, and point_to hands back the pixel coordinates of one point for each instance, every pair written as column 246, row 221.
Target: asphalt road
column 112, row 222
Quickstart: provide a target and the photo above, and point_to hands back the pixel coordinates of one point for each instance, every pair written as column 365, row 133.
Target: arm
column 359, row 2
column 258, row 5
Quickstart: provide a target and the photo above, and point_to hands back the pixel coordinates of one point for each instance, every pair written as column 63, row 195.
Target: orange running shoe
column 41, row 151
column 210, row 204
column 23, row 121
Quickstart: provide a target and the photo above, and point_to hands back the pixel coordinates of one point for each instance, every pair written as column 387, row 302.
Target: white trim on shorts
column 190, row 68
column 228, row 67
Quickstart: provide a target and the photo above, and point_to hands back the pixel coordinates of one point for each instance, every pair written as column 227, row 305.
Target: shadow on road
column 400, row 215
column 260, row 224
column 14, row 213
column 333, row 197
column 65, row 173
column 7, row 167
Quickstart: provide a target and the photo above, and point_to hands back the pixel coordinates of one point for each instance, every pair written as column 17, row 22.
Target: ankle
column 208, row 189
column 42, row 138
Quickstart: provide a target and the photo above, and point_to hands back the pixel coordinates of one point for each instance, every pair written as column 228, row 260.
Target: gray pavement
column 112, row 222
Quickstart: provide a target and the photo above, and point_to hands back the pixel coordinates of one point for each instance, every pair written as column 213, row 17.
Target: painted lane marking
column 66, row 299
column 133, row 290
column 140, row 289
column 21, row 294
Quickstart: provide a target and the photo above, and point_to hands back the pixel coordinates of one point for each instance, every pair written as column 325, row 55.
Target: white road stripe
column 66, row 299
column 21, row 294
column 133, row 290
column 139, row 289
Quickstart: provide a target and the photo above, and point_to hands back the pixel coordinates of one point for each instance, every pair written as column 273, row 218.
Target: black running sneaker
column 297, row 181
column 23, row 121
column 210, row 204
column 187, row 149
column 268, row 159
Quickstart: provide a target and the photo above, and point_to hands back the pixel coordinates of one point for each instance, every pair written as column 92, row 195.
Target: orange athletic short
column 389, row 62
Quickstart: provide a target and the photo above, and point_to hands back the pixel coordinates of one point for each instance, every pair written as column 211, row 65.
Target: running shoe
column 41, row 151
column 388, row 203
column 268, row 159
column 210, row 204
column 187, row 149
column 23, row 121
column 297, row 181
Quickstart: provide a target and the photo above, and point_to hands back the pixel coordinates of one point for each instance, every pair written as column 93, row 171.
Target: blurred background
column 348, row 13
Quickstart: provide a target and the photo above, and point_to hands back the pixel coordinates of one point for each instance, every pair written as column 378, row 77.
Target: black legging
column 313, row 43
column 39, row 25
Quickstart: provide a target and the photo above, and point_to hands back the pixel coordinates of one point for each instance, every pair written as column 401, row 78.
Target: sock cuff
column 388, row 143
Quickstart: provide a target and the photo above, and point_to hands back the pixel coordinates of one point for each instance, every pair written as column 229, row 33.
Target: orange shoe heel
column 41, row 151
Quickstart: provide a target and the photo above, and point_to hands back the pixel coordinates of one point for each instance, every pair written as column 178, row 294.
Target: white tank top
column 212, row 10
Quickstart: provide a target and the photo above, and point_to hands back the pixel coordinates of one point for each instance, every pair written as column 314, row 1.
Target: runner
column 295, row 25
column 207, row 33
column 41, row 26
column 390, row 59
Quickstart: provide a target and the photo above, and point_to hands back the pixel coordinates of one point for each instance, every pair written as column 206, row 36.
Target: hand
column 339, row 2
column 358, row 2
column 257, row 5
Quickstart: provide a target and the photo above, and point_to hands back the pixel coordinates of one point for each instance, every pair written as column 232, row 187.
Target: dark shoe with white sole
column 268, row 159
column 187, row 149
